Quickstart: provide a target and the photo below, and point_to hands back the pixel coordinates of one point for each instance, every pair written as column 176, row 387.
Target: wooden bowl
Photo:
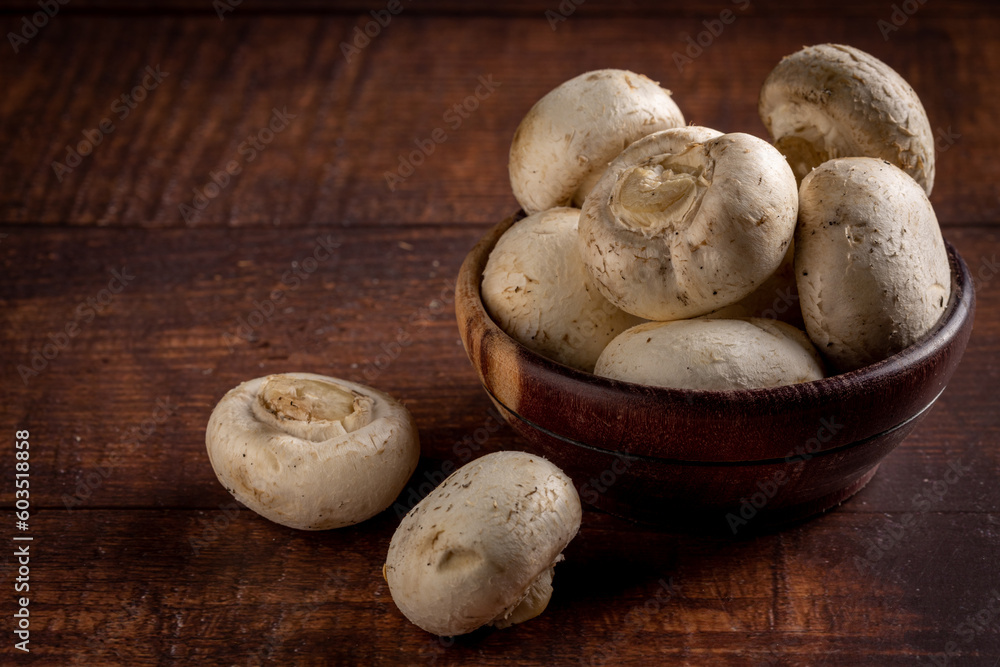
column 730, row 460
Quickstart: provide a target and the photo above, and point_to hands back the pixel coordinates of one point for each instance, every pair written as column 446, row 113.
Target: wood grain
column 141, row 557
column 179, row 333
column 228, row 587
column 225, row 78
column 511, row 8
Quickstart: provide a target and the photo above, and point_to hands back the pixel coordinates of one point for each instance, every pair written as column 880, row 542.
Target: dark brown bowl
column 735, row 460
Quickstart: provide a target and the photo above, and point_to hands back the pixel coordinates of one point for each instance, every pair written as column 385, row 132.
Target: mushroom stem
column 535, row 600
column 803, row 154
column 311, row 409
column 661, row 195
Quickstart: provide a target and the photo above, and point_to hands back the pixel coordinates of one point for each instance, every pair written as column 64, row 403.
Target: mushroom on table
column 312, row 452
column 481, row 548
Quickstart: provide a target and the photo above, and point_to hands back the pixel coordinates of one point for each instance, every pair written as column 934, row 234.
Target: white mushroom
column 870, row 262
column 776, row 299
column 687, row 221
column 831, row 100
column 312, row 452
column 566, row 140
column 712, row 354
column 537, row 289
column 480, row 549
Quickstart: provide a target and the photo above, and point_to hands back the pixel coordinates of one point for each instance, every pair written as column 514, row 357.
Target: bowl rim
column 950, row 326
column 723, row 463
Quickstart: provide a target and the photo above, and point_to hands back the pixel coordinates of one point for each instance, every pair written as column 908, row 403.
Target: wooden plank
column 227, row 587
column 134, row 387
column 142, row 320
column 511, row 8
column 356, row 121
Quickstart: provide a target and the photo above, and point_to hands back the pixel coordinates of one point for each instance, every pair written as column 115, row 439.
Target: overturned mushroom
column 712, row 354
column 480, row 549
column 830, row 100
column 687, row 221
column 567, row 139
column 870, row 262
column 312, row 452
column 537, row 289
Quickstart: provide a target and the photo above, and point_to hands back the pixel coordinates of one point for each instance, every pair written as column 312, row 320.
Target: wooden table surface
column 135, row 292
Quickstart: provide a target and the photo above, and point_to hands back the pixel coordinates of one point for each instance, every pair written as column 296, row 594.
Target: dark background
column 140, row 556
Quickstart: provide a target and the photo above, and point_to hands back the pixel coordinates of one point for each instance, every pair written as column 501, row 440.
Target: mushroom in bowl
column 832, row 100
column 687, row 221
column 669, row 455
column 566, row 140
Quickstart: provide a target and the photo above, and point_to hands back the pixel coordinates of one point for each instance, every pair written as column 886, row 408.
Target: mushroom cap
column 830, row 100
column 564, row 143
column 480, row 548
column 312, row 452
column 776, row 299
column 712, row 354
column 688, row 221
column 537, row 289
column 870, row 262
